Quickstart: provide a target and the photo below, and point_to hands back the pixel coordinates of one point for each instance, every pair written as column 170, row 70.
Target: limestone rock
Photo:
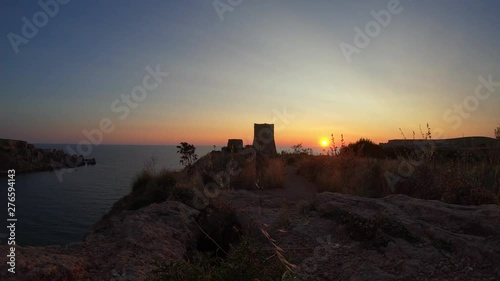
column 340, row 237
column 120, row 247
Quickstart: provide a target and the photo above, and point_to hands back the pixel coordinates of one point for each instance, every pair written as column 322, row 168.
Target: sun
column 324, row 142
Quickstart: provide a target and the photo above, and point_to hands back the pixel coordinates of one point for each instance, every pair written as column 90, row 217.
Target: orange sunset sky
column 260, row 62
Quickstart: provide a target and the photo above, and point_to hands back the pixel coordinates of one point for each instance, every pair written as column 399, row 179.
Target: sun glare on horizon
column 324, row 142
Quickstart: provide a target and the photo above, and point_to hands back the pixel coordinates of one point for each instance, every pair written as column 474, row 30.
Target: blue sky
column 264, row 58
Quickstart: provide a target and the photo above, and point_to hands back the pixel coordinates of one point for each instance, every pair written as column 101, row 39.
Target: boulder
column 124, row 246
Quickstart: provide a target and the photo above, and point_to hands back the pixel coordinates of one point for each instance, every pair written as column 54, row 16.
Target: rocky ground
column 340, row 237
column 328, row 236
column 122, row 247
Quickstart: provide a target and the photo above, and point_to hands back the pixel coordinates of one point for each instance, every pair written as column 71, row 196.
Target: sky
column 214, row 68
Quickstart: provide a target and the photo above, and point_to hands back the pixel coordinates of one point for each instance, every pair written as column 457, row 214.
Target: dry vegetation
column 350, row 175
column 224, row 252
column 150, row 187
column 240, row 171
column 462, row 179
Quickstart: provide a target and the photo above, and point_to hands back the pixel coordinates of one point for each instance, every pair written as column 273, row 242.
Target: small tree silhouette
column 497, row 132
column 188, row 155
column 298, row 149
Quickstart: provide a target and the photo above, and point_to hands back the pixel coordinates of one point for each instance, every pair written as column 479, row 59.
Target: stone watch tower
column 263, row 139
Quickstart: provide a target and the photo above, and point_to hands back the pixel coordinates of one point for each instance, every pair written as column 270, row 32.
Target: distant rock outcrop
column 25, row 157
column 90, row 161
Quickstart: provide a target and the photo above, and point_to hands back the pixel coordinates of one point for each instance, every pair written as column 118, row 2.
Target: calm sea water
column 51, row 212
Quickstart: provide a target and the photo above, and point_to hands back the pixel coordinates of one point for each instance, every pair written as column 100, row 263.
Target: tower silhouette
column 263, row 139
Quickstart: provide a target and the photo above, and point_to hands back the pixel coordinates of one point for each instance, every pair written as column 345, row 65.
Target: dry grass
column 150, row 186
column 346, row 174
column 469, row 184
column 272, row 174
column 246, row 178
column 238, row 171
column 268, row 173
column 458, row 181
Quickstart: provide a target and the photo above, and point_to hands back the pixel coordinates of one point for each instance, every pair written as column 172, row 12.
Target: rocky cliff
column 333, row 237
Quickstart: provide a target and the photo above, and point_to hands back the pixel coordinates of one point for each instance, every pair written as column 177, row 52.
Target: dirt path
column 266, row 206
column 296, row 187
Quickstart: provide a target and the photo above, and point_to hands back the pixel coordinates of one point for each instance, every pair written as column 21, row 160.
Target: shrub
column 147, row 188
column 299, row 149
column 141, row 180
column 188, row 155
column 365, row 148
column 464, row 189
column 165, row 179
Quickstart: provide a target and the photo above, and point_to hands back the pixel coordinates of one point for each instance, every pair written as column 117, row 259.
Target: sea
column 60, row 207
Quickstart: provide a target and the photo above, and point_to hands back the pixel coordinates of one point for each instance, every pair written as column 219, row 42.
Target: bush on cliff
column 147, row 188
